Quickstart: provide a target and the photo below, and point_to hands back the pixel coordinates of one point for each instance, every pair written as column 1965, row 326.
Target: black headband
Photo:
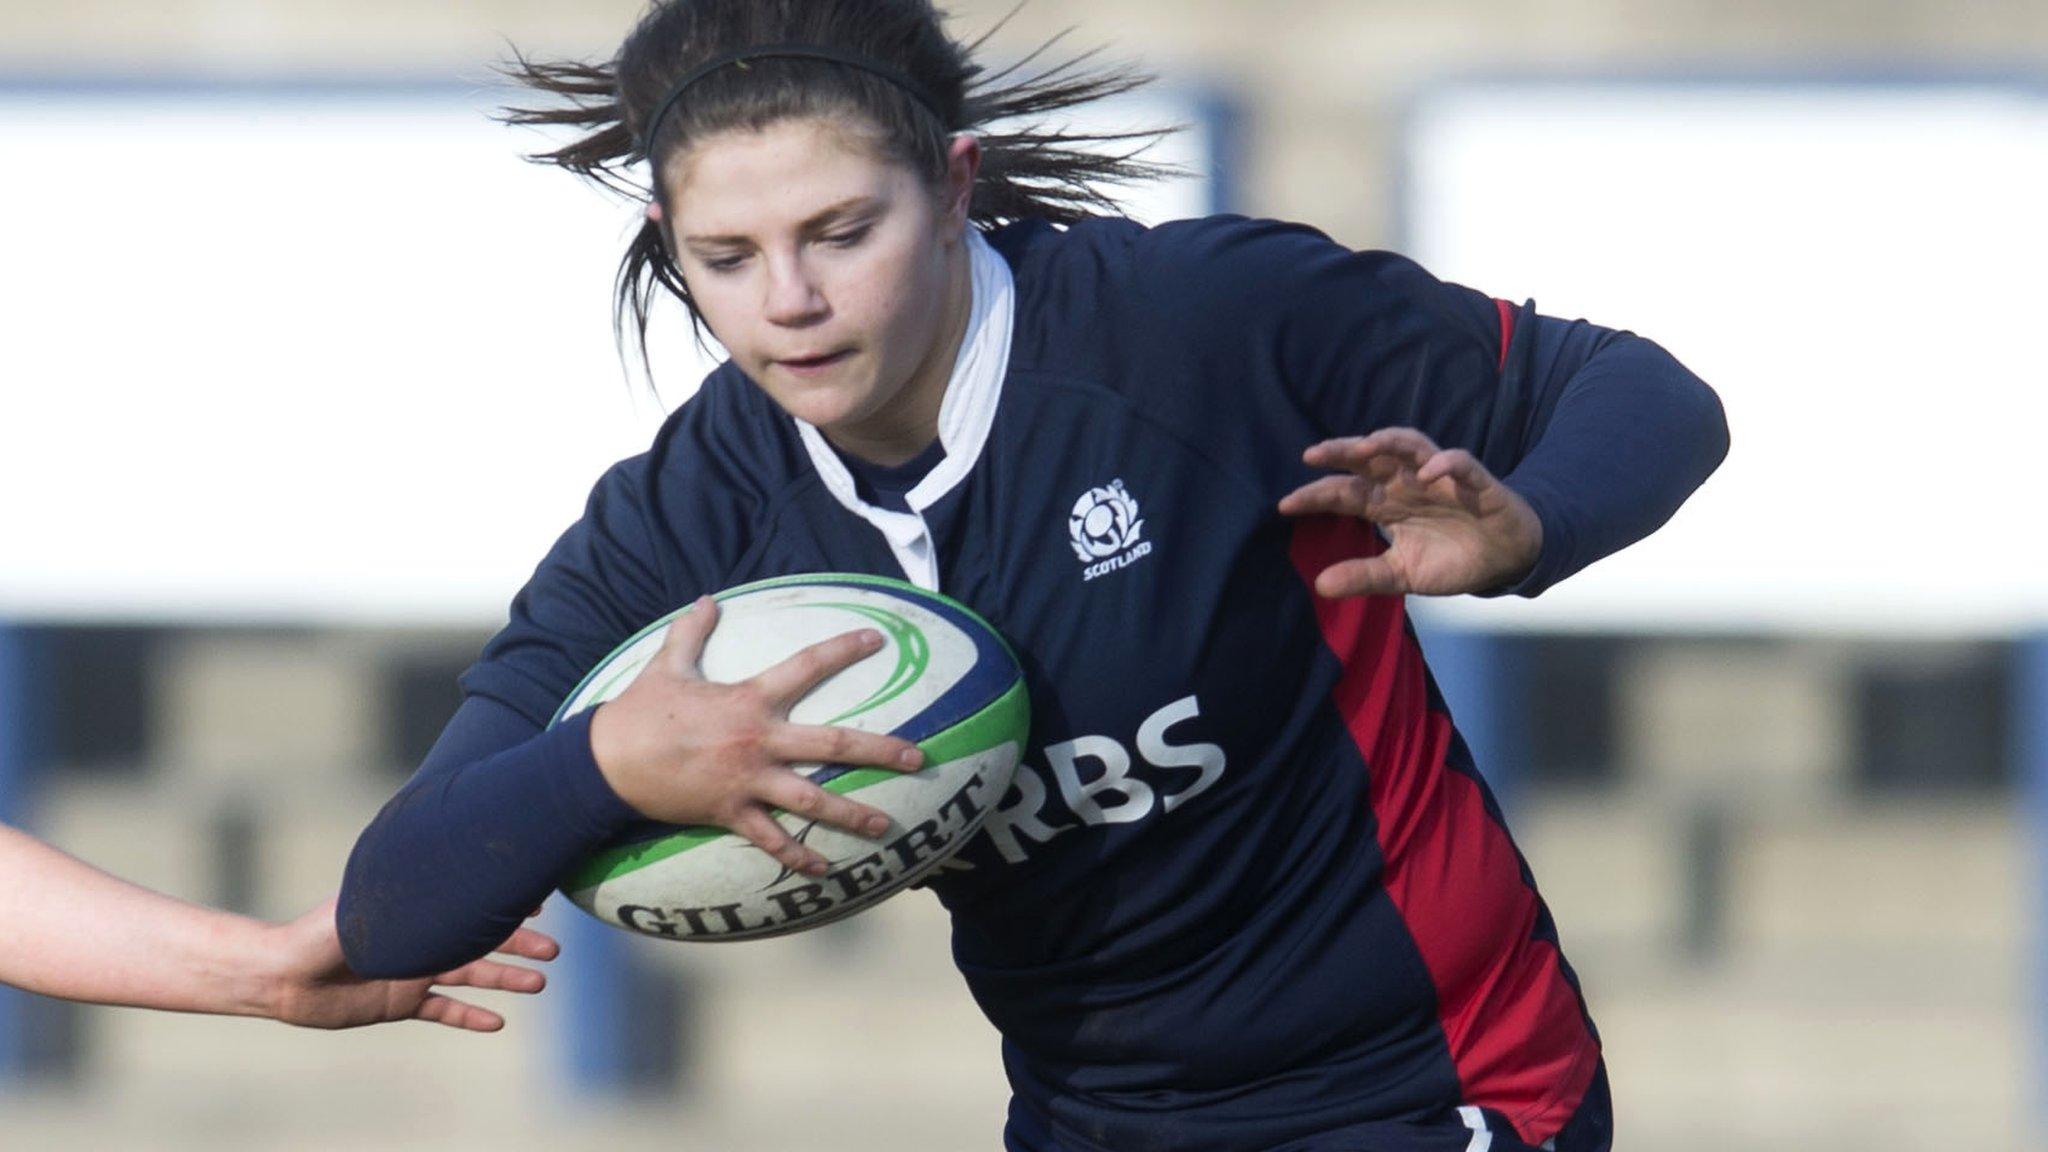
column 900, row 79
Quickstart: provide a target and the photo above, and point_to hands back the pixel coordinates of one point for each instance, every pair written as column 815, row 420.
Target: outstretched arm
column 73, row 931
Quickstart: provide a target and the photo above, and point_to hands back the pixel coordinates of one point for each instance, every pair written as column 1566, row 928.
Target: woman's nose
column 794, row 299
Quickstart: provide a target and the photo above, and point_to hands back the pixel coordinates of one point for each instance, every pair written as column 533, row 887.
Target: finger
column 794, row 794
column 1404, row 446
column 682, row 649
column 756, row 825
column 456, row 1014
column 789, row 681
column 1343, row 495
column 492, row 975
column 833, row 745
column 1367, row 576
column 1321, row 453
column 1461, row 466
column 1411, row 445
column 532, row 944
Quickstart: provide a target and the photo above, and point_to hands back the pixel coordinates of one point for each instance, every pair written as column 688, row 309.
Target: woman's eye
column 723, row 263
column 848, row 238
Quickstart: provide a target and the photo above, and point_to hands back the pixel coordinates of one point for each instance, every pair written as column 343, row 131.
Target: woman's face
column 836, row 279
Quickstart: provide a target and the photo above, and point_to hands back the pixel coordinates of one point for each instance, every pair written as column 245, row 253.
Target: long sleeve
column 496, row 815
column 1603, row 432
column 1631, row 433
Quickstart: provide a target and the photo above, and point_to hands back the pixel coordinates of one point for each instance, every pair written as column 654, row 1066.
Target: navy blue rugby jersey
column 1248, row 890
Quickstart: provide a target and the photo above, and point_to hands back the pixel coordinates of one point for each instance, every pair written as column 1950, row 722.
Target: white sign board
column 1858, row 270
column 303, row 356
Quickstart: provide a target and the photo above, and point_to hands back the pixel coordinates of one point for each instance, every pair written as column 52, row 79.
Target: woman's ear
column 963, row 164
column 655, row 216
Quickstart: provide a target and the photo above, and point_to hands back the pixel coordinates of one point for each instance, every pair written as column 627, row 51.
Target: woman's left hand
column 1451, row 527
column 312, row 987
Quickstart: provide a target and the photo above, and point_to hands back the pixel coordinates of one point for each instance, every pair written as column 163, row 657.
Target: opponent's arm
column 73, row 931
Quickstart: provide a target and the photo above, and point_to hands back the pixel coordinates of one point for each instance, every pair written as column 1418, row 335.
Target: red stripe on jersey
column 1514, row 1024
column 1507, row 330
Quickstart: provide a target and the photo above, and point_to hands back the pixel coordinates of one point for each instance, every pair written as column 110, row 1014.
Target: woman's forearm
column 1633, row 434
column 486, row 829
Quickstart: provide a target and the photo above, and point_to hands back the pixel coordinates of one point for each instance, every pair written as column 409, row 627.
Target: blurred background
column 304, row 369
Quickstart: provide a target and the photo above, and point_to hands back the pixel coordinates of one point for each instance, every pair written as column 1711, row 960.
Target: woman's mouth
column 811, row 365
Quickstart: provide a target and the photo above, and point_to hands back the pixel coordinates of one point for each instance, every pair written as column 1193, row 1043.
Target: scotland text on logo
column 1104, row 529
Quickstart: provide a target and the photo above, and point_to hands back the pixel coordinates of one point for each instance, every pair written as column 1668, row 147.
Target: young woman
column 75, row 932
column 1249, row 891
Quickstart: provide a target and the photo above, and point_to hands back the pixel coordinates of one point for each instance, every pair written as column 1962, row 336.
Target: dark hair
column 1029, row 168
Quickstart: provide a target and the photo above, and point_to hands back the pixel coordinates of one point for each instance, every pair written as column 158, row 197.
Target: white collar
column 966, row 415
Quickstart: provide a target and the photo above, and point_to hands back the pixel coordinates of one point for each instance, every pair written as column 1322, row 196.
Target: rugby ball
column 942, row 679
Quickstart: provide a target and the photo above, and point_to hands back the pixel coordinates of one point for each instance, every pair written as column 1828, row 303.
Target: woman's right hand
column 685, row 750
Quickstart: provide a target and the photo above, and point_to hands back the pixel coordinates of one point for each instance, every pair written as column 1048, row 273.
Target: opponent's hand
column 685, row 750
column 311, row 986
column 1451, row 527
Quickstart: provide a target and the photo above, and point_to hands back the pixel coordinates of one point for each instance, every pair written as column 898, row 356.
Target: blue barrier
column 21, row 722
column 589, row 993
column 624, row 1022
column 2030, row 763
column 1476, row 673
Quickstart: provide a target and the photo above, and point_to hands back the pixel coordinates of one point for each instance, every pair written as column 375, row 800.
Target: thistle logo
column 1104, row 529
